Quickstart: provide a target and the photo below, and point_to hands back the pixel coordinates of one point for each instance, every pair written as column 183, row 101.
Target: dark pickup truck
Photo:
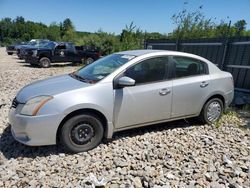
column 53, row 52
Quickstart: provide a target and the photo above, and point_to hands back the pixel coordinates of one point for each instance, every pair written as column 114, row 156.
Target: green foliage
column 229, row 116
column 20, row 30
column 68, row 31
column 191, row 25
column 240, row 27
column 194, row 25
column 131, row 37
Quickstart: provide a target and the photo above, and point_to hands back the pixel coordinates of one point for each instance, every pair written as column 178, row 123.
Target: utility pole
column 225, row 46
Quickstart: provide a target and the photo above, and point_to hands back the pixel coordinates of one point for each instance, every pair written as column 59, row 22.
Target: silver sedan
column 121, row 91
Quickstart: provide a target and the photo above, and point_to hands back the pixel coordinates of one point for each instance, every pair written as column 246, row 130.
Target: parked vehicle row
column 44, row 52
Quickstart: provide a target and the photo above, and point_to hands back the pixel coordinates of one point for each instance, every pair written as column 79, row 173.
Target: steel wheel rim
column 45, row 63
column 89, row 61
column 213, row 111
column 82, row 133
column 82, row 60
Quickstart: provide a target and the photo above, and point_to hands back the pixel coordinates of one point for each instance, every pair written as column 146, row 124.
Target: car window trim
column 166, row 78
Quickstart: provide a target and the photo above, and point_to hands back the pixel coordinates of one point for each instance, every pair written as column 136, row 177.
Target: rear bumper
column 229, row 98
column 34, row 130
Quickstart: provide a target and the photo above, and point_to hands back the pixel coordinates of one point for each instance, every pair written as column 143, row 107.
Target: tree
column 131, row 37
column 67, row 25
column 240, row 27
column 53, row 32
column 68, row 30
column 192, row 25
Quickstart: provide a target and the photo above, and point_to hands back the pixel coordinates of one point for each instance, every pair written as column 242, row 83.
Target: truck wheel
column 89, row 60
column 10, row 53
column 81, row 133
column 211, row 111
column 44, row 62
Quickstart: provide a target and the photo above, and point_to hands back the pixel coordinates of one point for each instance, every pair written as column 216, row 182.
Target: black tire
column 44, row 62
column 89, row 60
column 33, row 65
column 204, row 117
column 10, row 53
column 81, row 133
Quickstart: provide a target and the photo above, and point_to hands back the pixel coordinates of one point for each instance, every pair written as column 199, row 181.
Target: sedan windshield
column 102, row 67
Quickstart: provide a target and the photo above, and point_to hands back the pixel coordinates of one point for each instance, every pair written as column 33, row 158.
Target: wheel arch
column 215, row 95
column 82, row 111
column 44, row 55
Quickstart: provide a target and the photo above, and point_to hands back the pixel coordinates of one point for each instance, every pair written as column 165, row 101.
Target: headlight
column 34, row 53
column 32, row 107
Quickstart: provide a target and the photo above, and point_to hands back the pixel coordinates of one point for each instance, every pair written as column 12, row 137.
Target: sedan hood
column 50, row 86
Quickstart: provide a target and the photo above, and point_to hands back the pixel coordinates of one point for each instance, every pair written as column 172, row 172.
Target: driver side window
column 150, row 70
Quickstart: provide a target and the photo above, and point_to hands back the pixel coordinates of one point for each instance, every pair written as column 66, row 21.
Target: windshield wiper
column 76, row 76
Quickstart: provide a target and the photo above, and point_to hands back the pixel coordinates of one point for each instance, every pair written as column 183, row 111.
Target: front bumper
column 34, row 130
column 10, row 51
column 31, row 60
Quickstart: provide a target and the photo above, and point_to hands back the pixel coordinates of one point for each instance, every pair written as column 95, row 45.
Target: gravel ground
column 177, row 154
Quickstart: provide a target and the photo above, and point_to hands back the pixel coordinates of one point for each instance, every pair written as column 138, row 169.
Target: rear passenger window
column 150, row 70
column 61, row 47
column 185, row 66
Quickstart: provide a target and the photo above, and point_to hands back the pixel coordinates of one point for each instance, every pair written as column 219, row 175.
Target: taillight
column 98, row 54
column 232, row 80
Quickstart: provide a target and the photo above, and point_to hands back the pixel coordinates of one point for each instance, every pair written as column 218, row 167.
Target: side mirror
column 126, row 81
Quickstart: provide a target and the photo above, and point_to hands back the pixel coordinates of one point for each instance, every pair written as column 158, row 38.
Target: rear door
column 71, row 53
column 190, row 85
column 150, row 99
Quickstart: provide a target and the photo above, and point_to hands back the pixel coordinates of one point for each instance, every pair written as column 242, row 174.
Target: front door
column 149, row 100
column 60, row 53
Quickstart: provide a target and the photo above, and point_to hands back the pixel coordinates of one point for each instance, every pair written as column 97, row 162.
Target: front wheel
column 212, row 111
column 44, row 62
column 10, row 53
column 89, row 60
column 33, row 65
column 81, row 133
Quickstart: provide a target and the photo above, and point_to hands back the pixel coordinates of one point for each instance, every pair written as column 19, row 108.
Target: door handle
column 164, row 91
column 204, row 84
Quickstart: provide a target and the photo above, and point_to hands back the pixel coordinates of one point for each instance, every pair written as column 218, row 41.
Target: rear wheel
column 44, row 62
column 10, row 53
column 212, row 111
column 81, row 133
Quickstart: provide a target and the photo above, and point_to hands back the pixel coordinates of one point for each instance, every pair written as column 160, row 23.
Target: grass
column 229, row 117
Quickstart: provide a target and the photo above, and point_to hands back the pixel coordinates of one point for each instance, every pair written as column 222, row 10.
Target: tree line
column 188, row 25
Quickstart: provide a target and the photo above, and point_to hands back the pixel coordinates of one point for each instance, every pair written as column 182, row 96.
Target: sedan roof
column 162, row 52
column 140, row 52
